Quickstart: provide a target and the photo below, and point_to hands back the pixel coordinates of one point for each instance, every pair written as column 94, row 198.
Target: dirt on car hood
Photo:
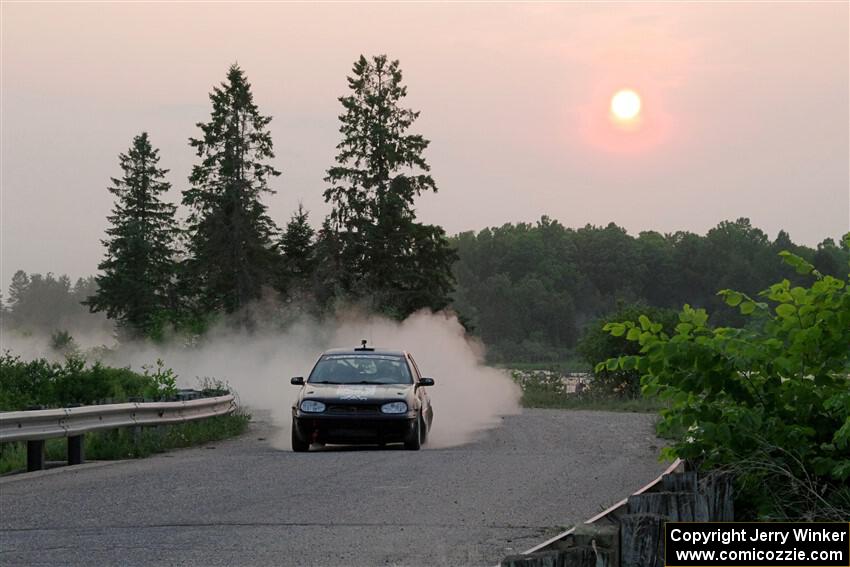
column 358, row 392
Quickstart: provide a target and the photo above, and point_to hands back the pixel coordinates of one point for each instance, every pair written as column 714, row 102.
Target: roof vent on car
column 363, row 346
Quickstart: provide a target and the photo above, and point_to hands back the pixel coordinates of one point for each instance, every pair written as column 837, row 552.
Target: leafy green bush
column 39, row 382
column 770, row 401
column 597, row 344
column 24, row 384
column 62, row 341
column 162, row 381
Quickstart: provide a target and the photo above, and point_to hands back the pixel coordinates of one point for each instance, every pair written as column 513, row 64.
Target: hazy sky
column 745, row 110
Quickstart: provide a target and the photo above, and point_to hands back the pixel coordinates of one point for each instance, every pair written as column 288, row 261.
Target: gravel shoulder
column 243, row 502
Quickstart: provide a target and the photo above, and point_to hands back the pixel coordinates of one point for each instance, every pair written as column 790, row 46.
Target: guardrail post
column 76, row 450
column 35, row 425
column 35, row 455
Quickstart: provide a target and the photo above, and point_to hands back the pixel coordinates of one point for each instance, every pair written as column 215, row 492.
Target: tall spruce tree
column 327, row 285
column 136, row 282
column 386, row 256
column 231, row 252
column 18, row 288
column 298, row 248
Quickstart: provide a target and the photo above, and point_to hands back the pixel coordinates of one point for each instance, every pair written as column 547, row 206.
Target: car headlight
column 394, row 407
column 312, row 406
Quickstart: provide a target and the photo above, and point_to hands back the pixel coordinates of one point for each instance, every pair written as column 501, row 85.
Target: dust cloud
column 469, row 398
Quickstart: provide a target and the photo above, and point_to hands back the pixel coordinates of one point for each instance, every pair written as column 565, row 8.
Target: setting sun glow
column 625, row 105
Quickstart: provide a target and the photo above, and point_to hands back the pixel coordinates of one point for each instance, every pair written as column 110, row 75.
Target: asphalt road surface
column 243, row 502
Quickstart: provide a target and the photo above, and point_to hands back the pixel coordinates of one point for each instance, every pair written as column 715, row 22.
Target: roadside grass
column 126, row 443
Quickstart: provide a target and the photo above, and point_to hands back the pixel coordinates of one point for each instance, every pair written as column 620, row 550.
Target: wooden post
column 603, row 539
column 642, row 536
column 680, row 482
column 540, row 559
column 572, row 557
column 641, row 540
column 675, row 506
column 634, row 534
column 714, row 499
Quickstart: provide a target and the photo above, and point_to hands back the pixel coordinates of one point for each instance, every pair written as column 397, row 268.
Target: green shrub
column 62, row 341
column 161, row 381
column 770, row 401
column 596, row 344
column 39, row 382
column 24, row 384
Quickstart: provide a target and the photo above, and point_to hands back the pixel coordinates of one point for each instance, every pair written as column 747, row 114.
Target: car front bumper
column 345, row 429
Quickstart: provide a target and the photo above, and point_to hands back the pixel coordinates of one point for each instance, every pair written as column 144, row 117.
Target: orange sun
column 625, row 105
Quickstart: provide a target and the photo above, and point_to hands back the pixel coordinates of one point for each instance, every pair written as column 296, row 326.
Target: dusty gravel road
column 243, row 502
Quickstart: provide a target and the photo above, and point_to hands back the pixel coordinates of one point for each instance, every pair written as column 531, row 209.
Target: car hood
column 357, row 392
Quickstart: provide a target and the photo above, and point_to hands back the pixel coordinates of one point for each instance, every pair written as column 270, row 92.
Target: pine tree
column 18, row 288
column 297, row 245
column 138, row 270
column 386, row 256
column 328, row 271
column 231, row 253
column 17, row 297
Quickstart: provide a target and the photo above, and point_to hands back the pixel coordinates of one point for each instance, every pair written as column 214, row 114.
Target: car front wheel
column 414, row 443
column 298, row 444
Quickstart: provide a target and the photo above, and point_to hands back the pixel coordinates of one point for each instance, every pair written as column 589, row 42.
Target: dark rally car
column 362, row 395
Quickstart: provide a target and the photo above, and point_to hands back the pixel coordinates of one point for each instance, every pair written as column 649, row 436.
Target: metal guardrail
column 35, row 426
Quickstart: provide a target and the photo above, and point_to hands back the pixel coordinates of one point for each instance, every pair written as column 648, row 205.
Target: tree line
column 47, row 303
column 370, row 250
column 531, row 291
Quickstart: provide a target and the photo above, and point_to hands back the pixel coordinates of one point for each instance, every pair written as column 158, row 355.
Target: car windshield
column 360, row 369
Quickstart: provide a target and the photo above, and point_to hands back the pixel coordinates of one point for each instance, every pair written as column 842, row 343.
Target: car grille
column 358, row 409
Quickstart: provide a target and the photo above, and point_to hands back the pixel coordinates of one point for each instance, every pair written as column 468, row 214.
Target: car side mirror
column 297, row 381
column 426, row 382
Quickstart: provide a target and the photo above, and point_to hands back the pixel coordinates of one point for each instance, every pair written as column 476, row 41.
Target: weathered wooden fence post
column 634, row 533
column 684, row 498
